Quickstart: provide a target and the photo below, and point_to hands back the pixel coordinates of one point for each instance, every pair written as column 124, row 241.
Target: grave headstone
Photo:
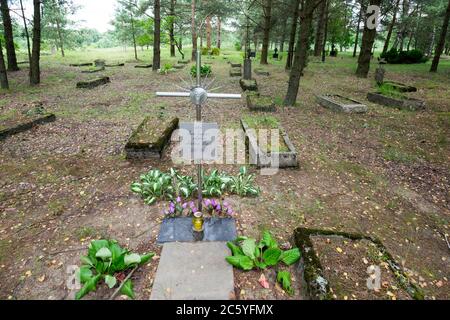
column 247, row 69
column 276, row 55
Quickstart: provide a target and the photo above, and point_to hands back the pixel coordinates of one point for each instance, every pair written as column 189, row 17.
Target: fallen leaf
column 339, row 250
column 263, row 281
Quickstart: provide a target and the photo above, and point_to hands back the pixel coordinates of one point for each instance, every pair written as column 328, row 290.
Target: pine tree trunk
column 193, row 31
column 35, row 71
column 172, row 28
column 3, row 75
column 283, row 35
column 157, row 36
column 355, row 49
column 267, row 8
column 208, row 32
column 320, row 30
column 133, row 33
column 60, row 37
column 27, row 34
column 441, row 43
column 219, row 32
column 301, row 53
column 9, row 37
column 295, row 8
column 368, row 40
column 391, row 27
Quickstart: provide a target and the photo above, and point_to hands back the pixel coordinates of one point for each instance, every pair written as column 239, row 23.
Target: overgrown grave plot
column 261, row 72
column 112, row 65
column 282, row 155
column 258, row 103
column 387, row 95
column 90, row 84
column 143, row 66
column 340, row 103
column 94, row 69
column 338, row 265
column 20, row 122
column 179, row 66
column 82, row 64
column 151, row 138
column 400, row 86
column 235, row 72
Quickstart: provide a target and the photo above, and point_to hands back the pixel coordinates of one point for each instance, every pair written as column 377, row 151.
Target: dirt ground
column 385, row 173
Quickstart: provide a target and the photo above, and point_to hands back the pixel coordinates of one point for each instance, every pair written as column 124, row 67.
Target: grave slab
column 180, row 230
column 402, row 104
column 235, row 72
column 93, row 83
column 144, row 66
column 194, row 271
column 207, row 133
column 341, row 104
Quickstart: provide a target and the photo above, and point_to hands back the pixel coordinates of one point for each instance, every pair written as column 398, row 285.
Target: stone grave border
column 90, row 84
column 400, row 86
column 27, row 125
column 120, row 64
column 409, row 104
column 235, row 72
column 252, row 104
column 150, row 149
column 183, row 61
column 328, row 102
column 143, row 66
column 83, row 64
column 249, row 85
column 312, row 271
column 261, row 72
column 285, row 159
column 98, row 69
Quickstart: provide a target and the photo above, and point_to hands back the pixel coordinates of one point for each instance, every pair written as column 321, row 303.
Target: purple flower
column 230, row 212
column 213, row 202
column 178, row 199
column 226, row 204
column 218, row 207
column 191, row 204
column 207, row 203
column 172, row 210
column 184, row 205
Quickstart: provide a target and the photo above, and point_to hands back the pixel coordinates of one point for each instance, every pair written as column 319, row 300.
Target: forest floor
column 385, row 174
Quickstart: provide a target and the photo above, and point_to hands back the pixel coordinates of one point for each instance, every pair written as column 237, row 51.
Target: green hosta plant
column 107, row 261
column 243, row 184
column 153, row 186
column 215, row 184
column 248, row 254
column 205, row 70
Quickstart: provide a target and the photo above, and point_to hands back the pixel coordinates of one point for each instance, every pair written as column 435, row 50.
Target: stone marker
column 194, row 271
column 379, row 75
column 260, row 103
column 180, row 230
column 235, row 72
column 261, row 72
column 84, row 64
column 144, row 66
column 150, row 139
column 339, row 103
column 249, row 85
column 183, row 61
column 100, row 63
column 93, row 83
column 236, row 65
column 178, row 66
column 402, row 104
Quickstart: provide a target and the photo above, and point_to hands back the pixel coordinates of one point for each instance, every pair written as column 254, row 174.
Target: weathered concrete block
column 260, row 103
column 236, row 65
column 339, row 103
column 400, row 87
column 83, row 64
column 144, row 66
column 183, row 61
column 235, row 72
column 27, row 124
column 93, row 83
column 249, row 85
column 179, row 66
column 150, row 139
column 403, row 104
column 100, row 63
column 115, row 65
column 261, row 72
column 95, row 70
column 264, row 159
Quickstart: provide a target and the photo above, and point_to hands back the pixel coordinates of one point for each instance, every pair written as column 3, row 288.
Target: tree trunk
column 27, row 34
column 3, row 75
column 368, row 40
column 172, row 28
column 441, row 43
column 208, row 32
column 35, row 72
column 301, row 52
column 9, row 37
column 193, row 31
column 391, row 27
column 355, row 49
column 61, row 42
column 295, row 8
column 157, row 36
column 318, row 46
column 267, row 8
column 219, row 32
column 324, row 44
column 283, row 35
column 133, row 33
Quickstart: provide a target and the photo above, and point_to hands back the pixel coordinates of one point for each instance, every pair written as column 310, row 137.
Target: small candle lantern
column 197, row 222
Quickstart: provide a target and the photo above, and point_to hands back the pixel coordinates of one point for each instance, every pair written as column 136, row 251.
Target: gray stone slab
column 180, row 230
column 194, row 271
column 201, row 142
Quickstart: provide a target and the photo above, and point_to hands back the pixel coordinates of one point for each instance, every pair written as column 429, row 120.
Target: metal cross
column 199, row 95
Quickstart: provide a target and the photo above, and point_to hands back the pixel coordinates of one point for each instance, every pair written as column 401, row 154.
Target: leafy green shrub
column 247, row 255
column 215, row 184
column 205, row 70
column 166, row 68
column 204, row 51
column 243, row 184
column 215, row 52
column 393, row 56
column 107, row 261
column 238, row 46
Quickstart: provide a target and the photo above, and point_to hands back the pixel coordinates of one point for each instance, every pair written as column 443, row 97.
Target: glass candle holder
column 197, row 222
